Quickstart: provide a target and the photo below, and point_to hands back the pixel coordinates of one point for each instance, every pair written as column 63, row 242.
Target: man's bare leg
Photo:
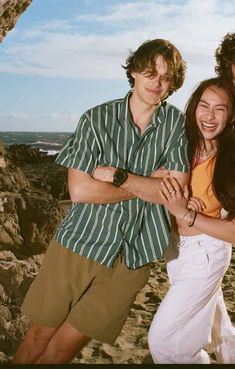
column 50, row 345
column 64, row 345
column 34, row 344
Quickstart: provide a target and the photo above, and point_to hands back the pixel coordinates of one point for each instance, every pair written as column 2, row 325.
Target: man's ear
column 133, row 75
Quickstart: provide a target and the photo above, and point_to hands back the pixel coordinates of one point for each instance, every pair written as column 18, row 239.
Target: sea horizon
column 33, row 131
column 46, row 141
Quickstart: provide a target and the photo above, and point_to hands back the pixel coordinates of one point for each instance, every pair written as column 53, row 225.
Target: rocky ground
column 33, row 195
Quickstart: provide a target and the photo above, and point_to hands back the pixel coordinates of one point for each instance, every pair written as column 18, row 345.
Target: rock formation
column 29, row 214
column 10, row 10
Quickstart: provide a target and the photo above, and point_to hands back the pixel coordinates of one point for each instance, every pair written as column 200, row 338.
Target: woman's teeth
column 208, row 125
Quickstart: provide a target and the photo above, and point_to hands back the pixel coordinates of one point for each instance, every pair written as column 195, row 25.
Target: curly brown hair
column 144, row 60
column 225, row 56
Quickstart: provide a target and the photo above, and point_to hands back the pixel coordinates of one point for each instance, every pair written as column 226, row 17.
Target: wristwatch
column 120, row 176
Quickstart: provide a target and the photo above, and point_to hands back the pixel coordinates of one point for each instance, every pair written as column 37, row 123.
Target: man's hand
column 104, row 174
column 160, row 173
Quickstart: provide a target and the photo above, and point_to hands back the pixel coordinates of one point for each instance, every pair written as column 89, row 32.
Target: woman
column 193, row 313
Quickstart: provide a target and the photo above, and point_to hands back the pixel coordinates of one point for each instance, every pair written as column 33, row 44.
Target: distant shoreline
column 48, row 142
column 35, row 131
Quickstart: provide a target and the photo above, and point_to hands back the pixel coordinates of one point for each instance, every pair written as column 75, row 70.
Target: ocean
column 49, row 142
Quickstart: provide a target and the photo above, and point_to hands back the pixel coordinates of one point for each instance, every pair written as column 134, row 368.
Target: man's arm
column 145, row 188
column 83, row 188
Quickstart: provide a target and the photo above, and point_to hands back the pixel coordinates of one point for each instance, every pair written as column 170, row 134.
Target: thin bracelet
column 193, row 220
column 184, row 215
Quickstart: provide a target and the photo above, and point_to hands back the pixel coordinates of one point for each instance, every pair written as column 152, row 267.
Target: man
column 99, row 257
column 225, row 57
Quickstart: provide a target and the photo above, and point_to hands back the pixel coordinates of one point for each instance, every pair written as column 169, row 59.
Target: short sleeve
column 81, row 150
column 177, row 153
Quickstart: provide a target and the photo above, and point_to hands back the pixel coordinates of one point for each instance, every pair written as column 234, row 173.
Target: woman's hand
column 196, row 204
column 175, row 199
column 104, row 174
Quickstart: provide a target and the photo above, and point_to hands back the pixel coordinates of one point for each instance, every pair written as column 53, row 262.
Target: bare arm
column 177, row 204
column 218, row 228
column 145, row 188
column 83, row 188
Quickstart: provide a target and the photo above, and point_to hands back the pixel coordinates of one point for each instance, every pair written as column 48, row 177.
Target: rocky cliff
column 10, row 10
column 29, row 214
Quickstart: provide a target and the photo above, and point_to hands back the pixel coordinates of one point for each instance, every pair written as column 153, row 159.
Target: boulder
column 10, row 10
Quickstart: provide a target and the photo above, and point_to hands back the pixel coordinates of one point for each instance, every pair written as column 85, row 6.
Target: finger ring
column 173, row 192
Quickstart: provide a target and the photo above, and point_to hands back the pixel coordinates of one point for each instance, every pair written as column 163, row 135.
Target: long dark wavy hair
column 223, row 182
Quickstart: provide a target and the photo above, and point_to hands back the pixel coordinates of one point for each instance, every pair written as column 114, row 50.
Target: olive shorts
column 93, row 298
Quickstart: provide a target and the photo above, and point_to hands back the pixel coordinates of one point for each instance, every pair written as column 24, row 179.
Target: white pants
column 193, row 313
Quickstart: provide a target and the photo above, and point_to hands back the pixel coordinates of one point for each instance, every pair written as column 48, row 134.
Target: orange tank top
column 201, row 186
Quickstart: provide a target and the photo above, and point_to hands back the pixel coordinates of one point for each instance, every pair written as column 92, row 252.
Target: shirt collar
column 157, row 117
column 125, row 111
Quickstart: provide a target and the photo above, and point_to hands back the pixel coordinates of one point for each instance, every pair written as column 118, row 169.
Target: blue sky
column 63, row 57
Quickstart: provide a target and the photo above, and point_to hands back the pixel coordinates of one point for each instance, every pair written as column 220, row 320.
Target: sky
column 63, row 57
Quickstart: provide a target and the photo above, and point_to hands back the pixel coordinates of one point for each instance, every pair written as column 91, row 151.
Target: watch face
column 120, row 176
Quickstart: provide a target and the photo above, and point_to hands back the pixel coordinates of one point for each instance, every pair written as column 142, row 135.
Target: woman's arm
column 176, row 201
column 218, row 228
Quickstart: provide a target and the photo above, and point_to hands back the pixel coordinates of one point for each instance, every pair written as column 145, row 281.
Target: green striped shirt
column 106, row 135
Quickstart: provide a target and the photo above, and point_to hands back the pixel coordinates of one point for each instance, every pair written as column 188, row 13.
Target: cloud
column 58, row 116
column 16, row 115
column 94, row 46
column 51, row 115
column 123, row 14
